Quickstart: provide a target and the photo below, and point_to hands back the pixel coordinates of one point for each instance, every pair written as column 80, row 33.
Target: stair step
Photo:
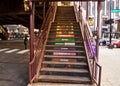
column 71, row 41
column 65, row 70
column 73, row 17
column 71, row 79
column 65, row 48
column 76, row 39
column 60, row 30
column 65, row 23
column 65, row 51
column 64, row 37
column 66, row 30
column 68, row 23
column 65, row 14
column 65, row 18
column 65, row 27
column 52, row 56
column 64, row 63
column 62, row 46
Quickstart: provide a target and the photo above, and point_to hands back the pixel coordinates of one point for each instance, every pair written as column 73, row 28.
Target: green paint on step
column 64, row 39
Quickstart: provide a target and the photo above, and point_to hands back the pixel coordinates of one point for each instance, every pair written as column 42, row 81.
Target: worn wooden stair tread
column 65, row 70
column 70, row 51
column 53, row 56
column 56, row 78
column 62, row 63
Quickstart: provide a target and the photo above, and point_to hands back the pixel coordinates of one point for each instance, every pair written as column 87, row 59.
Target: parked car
column 112, row 40
column 116, row 43
column 103, row 41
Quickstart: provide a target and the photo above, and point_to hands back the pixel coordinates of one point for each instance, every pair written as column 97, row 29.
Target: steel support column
column 98, row 22
column 43, row 10
column 32, row 19
column 87, row 11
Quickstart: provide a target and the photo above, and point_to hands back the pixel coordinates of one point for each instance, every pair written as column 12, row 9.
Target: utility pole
column 110, row 46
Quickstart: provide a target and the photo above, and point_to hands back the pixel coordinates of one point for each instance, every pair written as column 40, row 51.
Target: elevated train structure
column 64, row 50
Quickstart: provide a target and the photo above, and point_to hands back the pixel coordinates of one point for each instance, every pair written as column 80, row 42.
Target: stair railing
column 35, row 64
column 90, row 47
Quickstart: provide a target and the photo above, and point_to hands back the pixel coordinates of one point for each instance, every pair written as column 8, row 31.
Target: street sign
column 115, row 10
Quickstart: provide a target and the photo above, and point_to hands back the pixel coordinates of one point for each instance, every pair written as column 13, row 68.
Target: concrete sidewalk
column 110, row 61
column 13, row 66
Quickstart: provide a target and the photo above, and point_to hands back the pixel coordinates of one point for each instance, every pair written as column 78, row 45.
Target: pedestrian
column 25, row 41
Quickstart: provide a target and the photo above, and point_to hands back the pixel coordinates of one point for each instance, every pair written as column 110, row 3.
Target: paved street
column 13, row 63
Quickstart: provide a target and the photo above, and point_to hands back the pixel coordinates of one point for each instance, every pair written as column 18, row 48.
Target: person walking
column 25, row 41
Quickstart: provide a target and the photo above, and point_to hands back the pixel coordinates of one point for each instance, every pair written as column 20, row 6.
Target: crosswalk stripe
column 4, row 49
column 23, row 51
column 13, row 50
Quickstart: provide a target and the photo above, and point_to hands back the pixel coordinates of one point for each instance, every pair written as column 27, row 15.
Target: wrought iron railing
column 90, row 46
column 35, row 64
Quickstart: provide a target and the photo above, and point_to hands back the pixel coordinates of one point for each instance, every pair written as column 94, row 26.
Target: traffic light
column 110, row 21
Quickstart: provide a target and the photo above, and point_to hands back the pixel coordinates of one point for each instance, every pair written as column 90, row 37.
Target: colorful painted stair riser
column 64, row 43
column 64, row 48
column 64, row 54
column 64, row 36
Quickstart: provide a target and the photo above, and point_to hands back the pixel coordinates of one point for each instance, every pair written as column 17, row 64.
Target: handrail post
column 32, row 19
column 99, row 83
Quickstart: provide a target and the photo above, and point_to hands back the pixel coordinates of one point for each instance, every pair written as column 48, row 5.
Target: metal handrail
column 33, row 65
column 95, row 68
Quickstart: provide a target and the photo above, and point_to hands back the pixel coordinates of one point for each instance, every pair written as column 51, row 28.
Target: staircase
column 65, row 57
